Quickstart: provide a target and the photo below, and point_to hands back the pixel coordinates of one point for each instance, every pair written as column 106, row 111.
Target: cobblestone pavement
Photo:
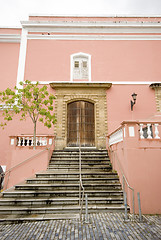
column 101, row 226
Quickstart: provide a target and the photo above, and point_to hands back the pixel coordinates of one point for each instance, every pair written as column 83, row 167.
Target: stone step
column 95, row 157
column 76, row 168
column 68, row 164
column 57, row 201
column 63, row 174
column 83, row 151
column 72, row 180
column 57, row 209
column 51, row 187
column 66, row 161
column 58, row 193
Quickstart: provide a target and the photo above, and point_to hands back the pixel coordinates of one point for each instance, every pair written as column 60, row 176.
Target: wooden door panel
column 80, row 123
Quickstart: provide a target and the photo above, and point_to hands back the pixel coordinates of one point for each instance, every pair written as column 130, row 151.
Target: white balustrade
column 149, row 131
column 156, row 131
column 141, row 131
column 28, row 141
column 116, row 137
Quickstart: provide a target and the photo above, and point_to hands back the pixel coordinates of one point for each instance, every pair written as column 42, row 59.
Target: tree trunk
column 34, row 135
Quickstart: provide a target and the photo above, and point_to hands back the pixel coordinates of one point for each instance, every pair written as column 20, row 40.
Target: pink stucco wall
column 28, row 168
column 17, row 127
column 140, row 161
column 9, row 55
column 10, row 30
column 119, row 107
column 92, row 18
column 49, row 60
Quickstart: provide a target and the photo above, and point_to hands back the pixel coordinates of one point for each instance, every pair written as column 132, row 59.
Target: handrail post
column 140, row 214
column 125, row 204
column 133, row 203
column 86, row 219
column 79, row 172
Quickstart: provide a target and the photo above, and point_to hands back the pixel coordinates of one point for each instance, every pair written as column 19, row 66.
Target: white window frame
column 80, row 54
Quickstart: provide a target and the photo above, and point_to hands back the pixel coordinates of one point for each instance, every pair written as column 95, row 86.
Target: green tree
column 31, row 100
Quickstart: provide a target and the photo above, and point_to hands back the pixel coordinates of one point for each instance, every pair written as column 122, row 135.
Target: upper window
column 80, row 67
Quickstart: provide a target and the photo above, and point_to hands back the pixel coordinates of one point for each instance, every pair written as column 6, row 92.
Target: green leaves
column 33, row 100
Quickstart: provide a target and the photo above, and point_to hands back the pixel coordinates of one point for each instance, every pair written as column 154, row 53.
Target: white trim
column 11, row 27
column 132, row 83
column 116, row 137
column 93, row 26
column 71, row 64
column 91, row 15
column 94, row 37
column 10, row 38
column 22, row 58
column 113, row 83
column 131, row 131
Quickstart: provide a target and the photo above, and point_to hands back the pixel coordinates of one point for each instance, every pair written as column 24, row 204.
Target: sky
column 14, row 11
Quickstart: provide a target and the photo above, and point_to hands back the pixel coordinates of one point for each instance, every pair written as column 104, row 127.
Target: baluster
column 27, row 141
column 149, row 131
column 23, row 141
column 32, row 141
column 36, row 141
column 156, row 131
column 141, row 131
column 19, row 141
column 45, row 141
column 40, row 140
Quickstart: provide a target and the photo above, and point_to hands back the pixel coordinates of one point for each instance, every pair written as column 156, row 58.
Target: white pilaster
column 22, row 58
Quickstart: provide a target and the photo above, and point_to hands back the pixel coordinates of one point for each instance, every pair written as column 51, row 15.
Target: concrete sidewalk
column 101, row 226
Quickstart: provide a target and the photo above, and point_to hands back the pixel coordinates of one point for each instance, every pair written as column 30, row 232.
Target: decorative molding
column 94, row 82
column 155, row 85
column 91, row 24
column 158, row 98
column 65, row 95
column 10, row 38
column 80, row 85
column 94, row 37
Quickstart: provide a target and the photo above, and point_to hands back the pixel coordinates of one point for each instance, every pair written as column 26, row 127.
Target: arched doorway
column 80, row 124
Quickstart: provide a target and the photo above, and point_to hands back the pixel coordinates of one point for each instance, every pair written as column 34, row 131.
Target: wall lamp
column 134, row 100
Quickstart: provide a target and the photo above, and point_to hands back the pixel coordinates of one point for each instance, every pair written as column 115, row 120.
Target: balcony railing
column 28, row 140
column 149, row 130
column 116, row 137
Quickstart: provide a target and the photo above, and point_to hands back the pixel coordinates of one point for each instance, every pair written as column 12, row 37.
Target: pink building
column 92, row 63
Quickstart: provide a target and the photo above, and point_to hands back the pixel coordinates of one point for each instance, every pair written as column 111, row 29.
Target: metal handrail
column 26, row 160
column 81, row 187
column 124, row 180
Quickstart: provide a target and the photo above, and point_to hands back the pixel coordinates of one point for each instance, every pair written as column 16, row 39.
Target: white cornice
column 94, row 16
column 94, row 37
column 92, row 27
column 11, row 38
column 87, row 24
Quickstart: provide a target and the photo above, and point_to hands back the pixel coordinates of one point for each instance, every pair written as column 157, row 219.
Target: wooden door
column 80, row 123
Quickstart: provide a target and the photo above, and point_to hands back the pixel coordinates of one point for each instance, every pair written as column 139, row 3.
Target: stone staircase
column 56, row 190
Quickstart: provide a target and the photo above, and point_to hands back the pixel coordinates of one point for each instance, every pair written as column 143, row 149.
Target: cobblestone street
column 101, row 226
